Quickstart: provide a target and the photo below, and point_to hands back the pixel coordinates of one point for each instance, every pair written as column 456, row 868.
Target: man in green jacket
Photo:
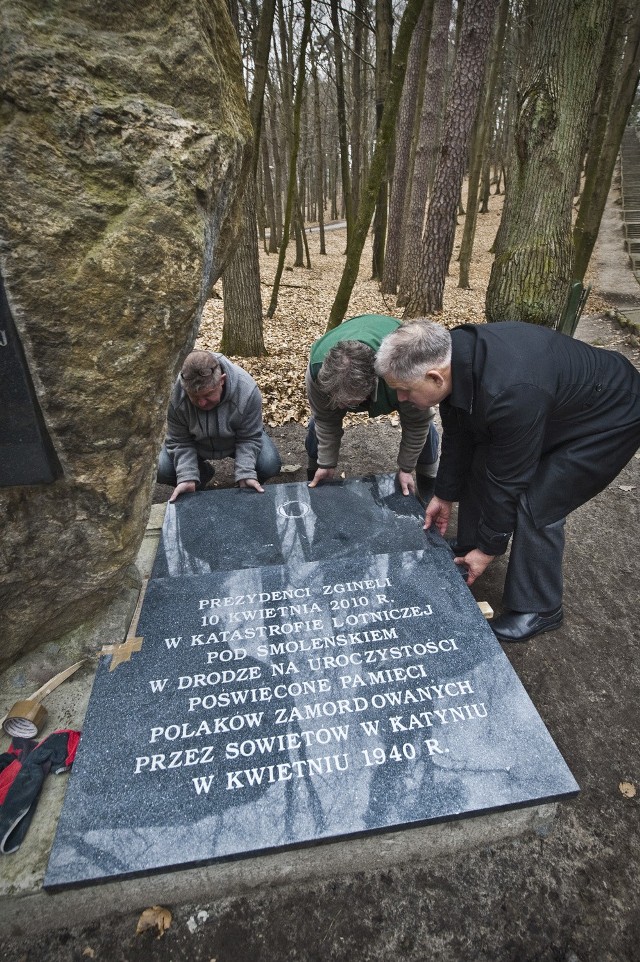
column 341, row 378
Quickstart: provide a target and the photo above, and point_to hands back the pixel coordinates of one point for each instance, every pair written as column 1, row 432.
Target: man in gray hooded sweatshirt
column 215, row 412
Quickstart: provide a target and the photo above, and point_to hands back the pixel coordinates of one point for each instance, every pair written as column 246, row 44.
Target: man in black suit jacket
column 534, row 424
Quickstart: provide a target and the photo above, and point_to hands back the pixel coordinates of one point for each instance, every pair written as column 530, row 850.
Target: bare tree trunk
column 319, row 180
column 297, row 234
column 268, row 196
column 342, row 118
column 384, row 52
column 242, row 297
column 401, row 180
column 261, row 213
column 427, row 144
column 277, row 171
column 356, row 102
column 485, row 186
column 533, row 266
column 479, row 145
column 242, row 329
column 334, row 187
column 302, row 247
column 378, row 163
column 297, row 110
column 475, row 35
column 517, row 50
column 603, row 152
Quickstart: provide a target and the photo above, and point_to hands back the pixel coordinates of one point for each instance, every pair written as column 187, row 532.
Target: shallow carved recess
column 124, row 139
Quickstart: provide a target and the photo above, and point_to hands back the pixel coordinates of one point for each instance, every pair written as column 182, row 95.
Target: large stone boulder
column 124, row 148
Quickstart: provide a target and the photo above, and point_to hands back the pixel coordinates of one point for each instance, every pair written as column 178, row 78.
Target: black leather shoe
column 521, row 625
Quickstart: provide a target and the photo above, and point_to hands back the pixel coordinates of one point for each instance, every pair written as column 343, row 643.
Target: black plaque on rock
column 27, row 455
column 286, row 705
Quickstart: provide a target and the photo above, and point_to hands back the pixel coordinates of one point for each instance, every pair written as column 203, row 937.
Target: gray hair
column 201, row 371
column 347, row 375
column 413, row 349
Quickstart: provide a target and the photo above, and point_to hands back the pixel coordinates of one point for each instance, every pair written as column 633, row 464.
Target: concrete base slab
column 28, row 909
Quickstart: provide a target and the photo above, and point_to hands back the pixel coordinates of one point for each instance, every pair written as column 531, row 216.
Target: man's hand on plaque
column 406, row 482
column 438, row 513
column 185, row 487
column 476, row 562
column 251, row 483
column 322, row 474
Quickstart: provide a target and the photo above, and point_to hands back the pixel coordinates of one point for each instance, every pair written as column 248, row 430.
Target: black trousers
column 534, row 573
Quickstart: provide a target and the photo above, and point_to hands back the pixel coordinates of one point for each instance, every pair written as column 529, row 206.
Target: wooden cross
column 121, row 652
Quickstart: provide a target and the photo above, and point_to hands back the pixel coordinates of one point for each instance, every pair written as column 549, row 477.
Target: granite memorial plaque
column 288, row 524
column 285, row 705
column 27, row 455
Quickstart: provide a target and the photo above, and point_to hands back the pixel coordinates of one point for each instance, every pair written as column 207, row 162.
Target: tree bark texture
column 429, row 126
column 426, row 296
column 242, row 305
column 293, row 159
column 342, row 117
column 278, row 170
column 378, row 163
column 601, row 160
column 357, row 102
column 533, row 265
column 242, row 328
column 269, row 198
column 401, row 172
column 384, row 53
column 261, row 71
column 319, row 178
column 485, row 116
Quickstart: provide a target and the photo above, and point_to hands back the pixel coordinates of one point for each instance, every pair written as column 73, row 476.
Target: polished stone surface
column 26, row 452
column 285, row 705
column 288, row 524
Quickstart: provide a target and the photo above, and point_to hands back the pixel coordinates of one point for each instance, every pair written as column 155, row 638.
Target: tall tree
column 279, row 163
column 479, row 151
column 293, row 159
column 378, row 163
column 384, row 53
column 242, row 332
column 317, row 121
column 405, row 126
column 622, row 71
column 429, row 124
column 475, row 34
column 357, row 73
column 343, row 139
column 269, row 198
column 533, row 264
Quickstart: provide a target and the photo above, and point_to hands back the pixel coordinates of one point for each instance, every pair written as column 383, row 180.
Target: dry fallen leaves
column 154, row 917
column 304, row 305
column 628, row 789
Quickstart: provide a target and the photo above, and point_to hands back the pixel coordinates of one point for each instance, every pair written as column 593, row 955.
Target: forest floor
column 570, row 896
column 306, row 296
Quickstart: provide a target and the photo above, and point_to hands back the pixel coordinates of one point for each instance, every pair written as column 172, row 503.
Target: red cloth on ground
column 23, row 769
